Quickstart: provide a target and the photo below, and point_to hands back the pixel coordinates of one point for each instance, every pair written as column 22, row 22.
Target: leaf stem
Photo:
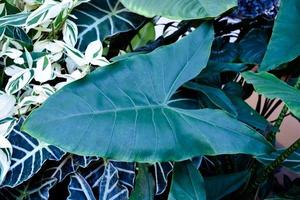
column 267, row 171
column 272, row 135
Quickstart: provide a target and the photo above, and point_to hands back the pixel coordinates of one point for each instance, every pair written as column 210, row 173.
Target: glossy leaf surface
column 100, row 115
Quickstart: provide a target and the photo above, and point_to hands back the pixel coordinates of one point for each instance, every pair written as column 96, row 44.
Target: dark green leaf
column 98, row 19
column 144, row 186
column 187, row 183
column 219, row 186
column 217, row 96
column 284, row 45
column 253, row 46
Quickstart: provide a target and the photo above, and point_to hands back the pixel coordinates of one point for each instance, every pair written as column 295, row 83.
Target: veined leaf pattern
column 110, row 186
column 32, row 190
column 137, row 122
column 98, row 19
column 28, row 156
column 79, row 188
column 162, row 171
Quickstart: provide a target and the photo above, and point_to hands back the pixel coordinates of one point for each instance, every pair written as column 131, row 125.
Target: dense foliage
column 147, row 99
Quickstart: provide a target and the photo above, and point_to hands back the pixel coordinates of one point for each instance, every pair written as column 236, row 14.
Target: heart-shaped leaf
column 122, row 111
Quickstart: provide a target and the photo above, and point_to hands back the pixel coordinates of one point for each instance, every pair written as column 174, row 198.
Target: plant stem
column 271, row 137
column 267, row 171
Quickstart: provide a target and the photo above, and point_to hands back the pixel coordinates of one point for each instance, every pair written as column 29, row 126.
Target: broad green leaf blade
column 79, row 188
column 272, row 87
column 110, row 186
column 187, row 183
column 98, row 19
column 121, row 111
column 284, row 45
column 144, row 186
column 292, row 162
column 179, row 9
column 28, row 156
column 219, row 186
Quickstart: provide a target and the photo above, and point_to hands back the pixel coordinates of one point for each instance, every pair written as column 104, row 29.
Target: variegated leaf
column 28, row 156
column 98, row 19
column 79, row 188
column 19, row 81
column 7, row 104
column 49, row 10
column 6, row 125
column 5, row 156
column 70, row 33
column 17, row 20
column 110, row 186
column 43, row 71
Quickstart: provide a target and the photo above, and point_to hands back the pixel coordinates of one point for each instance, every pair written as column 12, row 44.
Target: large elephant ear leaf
column 187, row 182
column 179, row 9
column 130, row 100
column 272, row 87
column 284, row 45
column 98, row 19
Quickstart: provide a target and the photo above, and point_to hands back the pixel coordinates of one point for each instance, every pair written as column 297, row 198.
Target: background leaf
column 284, row 45
column 187, row 183
column 179, row 9
column 272, row 87
column 219, row 186
column 98, row 19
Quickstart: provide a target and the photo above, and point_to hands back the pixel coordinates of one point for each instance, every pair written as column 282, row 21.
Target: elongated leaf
column 179, row 9
column 110, row 187
column 248, row 115
column 220, row 186
column 19, row 80
column 187, row 183
column 284, row 45
column 144, row 187
column 79, row 189
column 14, row 20
column 28, row 156
column 99, row 19
column 217, row 96
column 130, row 100
column 292, row 162
column 272, row 87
